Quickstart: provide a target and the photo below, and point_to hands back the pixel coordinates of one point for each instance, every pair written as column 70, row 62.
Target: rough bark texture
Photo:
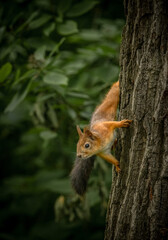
column 138, row 205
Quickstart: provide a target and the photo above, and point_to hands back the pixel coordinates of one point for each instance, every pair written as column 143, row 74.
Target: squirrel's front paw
column 118, row 169
column 125, row 123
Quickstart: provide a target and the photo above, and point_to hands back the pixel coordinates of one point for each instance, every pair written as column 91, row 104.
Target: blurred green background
column 58, row 58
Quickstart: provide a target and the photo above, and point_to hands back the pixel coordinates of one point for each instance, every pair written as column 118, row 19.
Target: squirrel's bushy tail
column 80, row 174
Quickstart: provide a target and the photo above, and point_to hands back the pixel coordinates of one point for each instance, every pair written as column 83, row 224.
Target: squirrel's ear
column 85, row 129
column 90, row 134
column 80, row 133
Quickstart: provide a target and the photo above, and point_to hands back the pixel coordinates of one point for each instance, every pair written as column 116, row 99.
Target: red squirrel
column 97, row 139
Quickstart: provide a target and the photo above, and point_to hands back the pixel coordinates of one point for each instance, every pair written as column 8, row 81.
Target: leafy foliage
column 56, row 64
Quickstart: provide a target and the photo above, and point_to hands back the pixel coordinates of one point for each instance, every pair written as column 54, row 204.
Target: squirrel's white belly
column 108, row 146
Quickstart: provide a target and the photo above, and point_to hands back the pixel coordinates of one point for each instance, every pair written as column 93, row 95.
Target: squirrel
column 97, row 139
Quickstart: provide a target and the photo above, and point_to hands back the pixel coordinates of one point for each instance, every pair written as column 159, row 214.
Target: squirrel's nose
column 79, row 156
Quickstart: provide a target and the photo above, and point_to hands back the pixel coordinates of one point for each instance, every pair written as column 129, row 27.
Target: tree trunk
column 138, row 205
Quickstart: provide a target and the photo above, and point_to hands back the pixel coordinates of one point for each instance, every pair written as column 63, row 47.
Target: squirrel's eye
column 87, row 145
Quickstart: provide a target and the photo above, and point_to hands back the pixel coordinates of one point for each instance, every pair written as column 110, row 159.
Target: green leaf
column 72, row 113
column 45, row 97
column 47, row 135
column 39, row 111
column 39, row 22
column 17, row 99
column 5, row 70
column 32, row 16
column 74, row 67
column 40, row 53
column 91, row 35
column 67, row 28
column 81, row 8
column 29, row 74
column 56, row 47
column 78, row 95
column 17, row 74
column 48, row 30
column 52, row 116
column 55, row 78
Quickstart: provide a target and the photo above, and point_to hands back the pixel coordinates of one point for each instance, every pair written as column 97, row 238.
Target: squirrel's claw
column 126, row 123
column 118, row 170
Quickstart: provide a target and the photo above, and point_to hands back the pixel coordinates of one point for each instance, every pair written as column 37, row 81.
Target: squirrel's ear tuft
column 80, row 133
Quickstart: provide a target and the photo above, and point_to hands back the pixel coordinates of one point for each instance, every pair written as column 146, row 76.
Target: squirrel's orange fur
column 99, row 137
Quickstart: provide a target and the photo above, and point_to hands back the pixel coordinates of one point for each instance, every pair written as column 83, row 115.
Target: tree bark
column 138, row 204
